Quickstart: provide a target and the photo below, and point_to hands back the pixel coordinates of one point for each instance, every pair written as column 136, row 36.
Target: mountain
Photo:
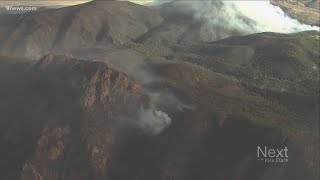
column 110, row 23
column 55, row 29
column 313, row 4
column 59, row 126
column 113, row 23
column 282, row 56
column 306, row 12
column 63, row 115
column 122, row 94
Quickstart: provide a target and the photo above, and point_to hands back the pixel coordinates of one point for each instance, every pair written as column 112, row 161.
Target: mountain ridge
column 134, row 92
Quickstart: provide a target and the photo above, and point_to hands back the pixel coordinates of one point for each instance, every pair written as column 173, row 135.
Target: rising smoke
column 246, row 17
column 152, row 121
column 243, row 16
column 150, row 118
column 266, row 17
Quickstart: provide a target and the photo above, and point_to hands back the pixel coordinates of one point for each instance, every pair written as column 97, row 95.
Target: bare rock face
column 98, row 85
column 75, row 121
column 77, row 106
column 30, row 173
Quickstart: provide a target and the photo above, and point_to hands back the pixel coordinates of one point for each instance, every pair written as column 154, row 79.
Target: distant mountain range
column 109, row 23
column 119, row 91
column 41, row 32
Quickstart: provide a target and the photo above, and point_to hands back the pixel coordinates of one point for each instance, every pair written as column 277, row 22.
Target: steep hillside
column 112, row 23
column 145, row 93
column 184, row 25
column 260, row 58
column 305, row 11
column 63, row 116
column 35, row 100
column 37, row 33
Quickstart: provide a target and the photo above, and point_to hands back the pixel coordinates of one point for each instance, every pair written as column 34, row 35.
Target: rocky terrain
column 305, row 11
column 112, row 23
column 123, row 94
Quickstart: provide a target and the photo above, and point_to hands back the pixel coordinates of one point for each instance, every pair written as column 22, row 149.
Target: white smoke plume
column 266, row 17
column 152, row 121
column 169, row 100
column 246, row 16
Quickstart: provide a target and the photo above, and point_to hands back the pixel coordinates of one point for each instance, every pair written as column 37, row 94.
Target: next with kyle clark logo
column 272, row 155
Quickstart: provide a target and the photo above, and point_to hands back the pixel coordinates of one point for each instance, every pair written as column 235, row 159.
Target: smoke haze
column 266, row 16
column 152, row 121
column 244, row 16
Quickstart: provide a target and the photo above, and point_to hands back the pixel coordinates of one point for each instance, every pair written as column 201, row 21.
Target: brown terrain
column 112, row 23
column 69, row 120
column 122, row 95
column 305, row 11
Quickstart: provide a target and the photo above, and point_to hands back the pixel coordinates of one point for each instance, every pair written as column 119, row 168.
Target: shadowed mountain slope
column 62, row 116
column 146, row 94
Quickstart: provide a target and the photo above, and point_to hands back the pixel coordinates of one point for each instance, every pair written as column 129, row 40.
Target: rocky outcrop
column 68, row 118
column 74, row 103
column 76, row 121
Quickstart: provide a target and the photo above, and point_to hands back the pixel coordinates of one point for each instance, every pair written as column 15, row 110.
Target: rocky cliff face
column 74, row 119
column 71, row 102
